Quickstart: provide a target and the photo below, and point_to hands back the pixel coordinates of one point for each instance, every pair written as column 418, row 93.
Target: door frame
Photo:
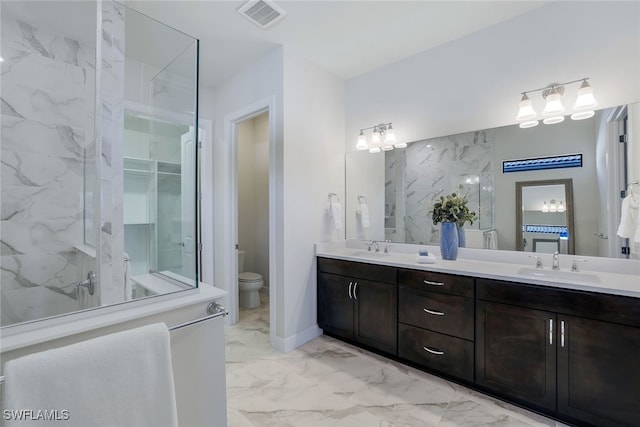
column 230, row 255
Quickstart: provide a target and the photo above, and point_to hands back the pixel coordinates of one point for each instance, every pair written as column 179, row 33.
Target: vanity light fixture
column 383, row 138
column 554, row 109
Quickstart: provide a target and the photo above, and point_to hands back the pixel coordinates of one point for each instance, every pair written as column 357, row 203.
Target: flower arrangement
column 452, row 208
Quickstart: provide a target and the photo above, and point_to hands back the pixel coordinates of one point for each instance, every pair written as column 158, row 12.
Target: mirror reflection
column 401, row 186
column 544, row 221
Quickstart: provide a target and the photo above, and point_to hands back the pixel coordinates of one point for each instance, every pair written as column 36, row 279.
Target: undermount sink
column 560, row 275
column 366, row 254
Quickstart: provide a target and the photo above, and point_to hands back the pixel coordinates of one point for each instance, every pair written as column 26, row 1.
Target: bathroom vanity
column 558, row 347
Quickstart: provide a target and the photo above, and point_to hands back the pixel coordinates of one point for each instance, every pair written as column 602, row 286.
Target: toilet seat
column 248, row 277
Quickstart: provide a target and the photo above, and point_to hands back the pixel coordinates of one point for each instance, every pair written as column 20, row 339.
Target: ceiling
column 347, row 38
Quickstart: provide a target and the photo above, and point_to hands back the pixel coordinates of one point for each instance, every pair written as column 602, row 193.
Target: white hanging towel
column 363, row 209
column 629, row 227
column 122, row 379
column 336, row 213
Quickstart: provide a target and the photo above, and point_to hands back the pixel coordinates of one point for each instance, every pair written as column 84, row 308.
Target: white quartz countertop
column 592, row 281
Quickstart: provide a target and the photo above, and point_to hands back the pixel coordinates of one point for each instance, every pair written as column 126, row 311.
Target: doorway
column 252, row 215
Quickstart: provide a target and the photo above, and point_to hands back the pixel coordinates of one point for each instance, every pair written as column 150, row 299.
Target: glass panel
column 160, row 148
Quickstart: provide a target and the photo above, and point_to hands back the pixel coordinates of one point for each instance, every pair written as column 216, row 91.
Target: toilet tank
column 240, row 261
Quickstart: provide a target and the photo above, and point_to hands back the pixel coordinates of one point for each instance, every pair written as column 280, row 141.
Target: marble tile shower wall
column 437, row 167
column 49, row 167
column 47, row 107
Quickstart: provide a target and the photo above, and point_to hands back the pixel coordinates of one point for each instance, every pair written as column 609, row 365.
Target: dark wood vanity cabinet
column 570, row 353
column 358, row 302
column 435, row 315
column 516, row 352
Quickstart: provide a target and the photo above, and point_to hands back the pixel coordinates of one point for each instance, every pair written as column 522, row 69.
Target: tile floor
column 330, row 383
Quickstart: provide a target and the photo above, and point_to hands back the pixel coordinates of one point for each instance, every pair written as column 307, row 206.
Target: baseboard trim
column 288, row 344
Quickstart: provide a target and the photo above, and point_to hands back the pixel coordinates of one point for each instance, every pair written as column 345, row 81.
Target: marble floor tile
column 327, row 382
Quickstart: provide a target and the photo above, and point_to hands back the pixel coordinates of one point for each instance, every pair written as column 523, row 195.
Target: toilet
column 249, row 284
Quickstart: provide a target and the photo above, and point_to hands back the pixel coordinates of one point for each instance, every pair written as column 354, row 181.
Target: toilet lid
column 249, row 277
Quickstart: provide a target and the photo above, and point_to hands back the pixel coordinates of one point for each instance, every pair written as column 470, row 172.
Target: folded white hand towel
column 336, row 213
column 364, row 215
column 122, row 379
column 128, row 286
column 426, row 259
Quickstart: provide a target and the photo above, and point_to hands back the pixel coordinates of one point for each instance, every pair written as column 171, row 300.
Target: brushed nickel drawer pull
column 562, row 333
column 433, row 283
column 350, row 284
column 438, row 352
column 355, row 286
column 550, row 331
column 435, row 313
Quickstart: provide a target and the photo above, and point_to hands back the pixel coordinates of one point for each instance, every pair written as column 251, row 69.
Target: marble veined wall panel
column 46, row 100
column 439, row 166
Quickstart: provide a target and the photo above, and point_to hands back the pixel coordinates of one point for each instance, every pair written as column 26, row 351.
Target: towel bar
column 214, row 310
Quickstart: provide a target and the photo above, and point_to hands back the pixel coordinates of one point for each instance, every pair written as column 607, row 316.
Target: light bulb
column 528, row 124
column 561, row 206
column 552, row 206
column 526, row 111
column 545, row 207
column 553, row 120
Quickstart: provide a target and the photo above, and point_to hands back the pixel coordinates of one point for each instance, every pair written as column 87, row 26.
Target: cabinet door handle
column 550, row 331
column 435, row 313
column 562, row 333
column 350, row 284
column 355, row 286
column 433, row 351
column 433, row 283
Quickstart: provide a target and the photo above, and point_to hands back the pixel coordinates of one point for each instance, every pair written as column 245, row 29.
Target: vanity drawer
column 449, row 355
column 360, row 270
column 437, row 282
column 448, row 314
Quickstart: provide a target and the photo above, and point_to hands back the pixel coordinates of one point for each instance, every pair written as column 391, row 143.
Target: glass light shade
column 528, row 124
column 585, row 99
column 554, row 104
column 390, row 136
column 552, row 206
column 582, row 115
column 561, row 206
column 545, row 207
column 553, row 120
column 375, row 138
column 526, row 111
column 374, row 150
column 400, row 145
column 362, row 142
column 387, row 147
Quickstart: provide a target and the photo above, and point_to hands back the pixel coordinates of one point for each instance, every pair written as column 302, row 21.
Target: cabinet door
column 516, row 352
column 598, row 372
column 376, row 321
column 335, row 304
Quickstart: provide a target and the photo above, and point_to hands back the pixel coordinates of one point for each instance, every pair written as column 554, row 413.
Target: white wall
column 475, row 82
column 259, row 83
column 313, row 168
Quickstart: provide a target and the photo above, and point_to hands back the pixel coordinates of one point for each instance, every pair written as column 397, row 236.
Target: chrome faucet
column 538, row 261
column 387, row 246
column 556, row 261
column 373, row 244
column 574, row 265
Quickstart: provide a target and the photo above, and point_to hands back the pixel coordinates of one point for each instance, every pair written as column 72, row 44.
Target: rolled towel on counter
column 335, row 208
column 426, row 259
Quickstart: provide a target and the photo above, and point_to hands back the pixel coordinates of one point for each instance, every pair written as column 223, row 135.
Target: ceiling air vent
column 263, row 13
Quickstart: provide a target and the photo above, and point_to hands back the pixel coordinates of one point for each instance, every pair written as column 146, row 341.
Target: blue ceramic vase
column 449, row 241
column 462, row 239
